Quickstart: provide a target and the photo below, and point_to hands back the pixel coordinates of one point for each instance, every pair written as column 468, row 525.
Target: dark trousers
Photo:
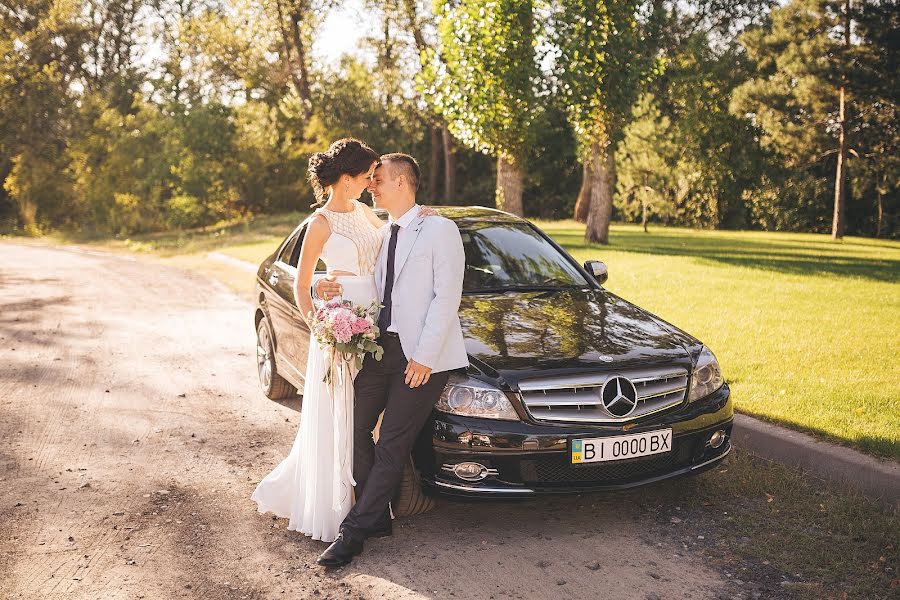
column 378, row 468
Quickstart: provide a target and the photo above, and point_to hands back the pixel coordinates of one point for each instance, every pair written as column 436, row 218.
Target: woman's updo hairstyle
column 345, row 157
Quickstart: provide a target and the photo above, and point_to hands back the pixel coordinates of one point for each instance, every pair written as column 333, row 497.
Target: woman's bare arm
column 317, row 233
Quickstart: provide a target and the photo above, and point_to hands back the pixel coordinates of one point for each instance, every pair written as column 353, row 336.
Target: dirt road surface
column 132, row 434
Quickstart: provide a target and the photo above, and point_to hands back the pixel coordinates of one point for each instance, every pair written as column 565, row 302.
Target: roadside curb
column 234, row 262
column 879, row 479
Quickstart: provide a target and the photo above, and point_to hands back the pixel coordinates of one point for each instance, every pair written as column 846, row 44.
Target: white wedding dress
column 313, row 485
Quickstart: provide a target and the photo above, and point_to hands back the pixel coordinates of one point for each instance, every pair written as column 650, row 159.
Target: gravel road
column 132, row 434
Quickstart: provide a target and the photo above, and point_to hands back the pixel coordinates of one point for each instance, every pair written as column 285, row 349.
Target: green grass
column 806, row 329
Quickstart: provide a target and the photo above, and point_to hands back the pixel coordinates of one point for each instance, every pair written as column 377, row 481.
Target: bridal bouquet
column 348, row 330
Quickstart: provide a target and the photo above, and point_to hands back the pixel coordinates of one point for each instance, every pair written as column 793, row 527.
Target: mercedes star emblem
column 619, row 396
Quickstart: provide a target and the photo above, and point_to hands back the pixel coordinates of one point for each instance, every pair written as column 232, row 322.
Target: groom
column 419, row 276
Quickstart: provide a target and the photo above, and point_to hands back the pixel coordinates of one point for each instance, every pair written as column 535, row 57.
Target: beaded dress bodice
column 354, row 242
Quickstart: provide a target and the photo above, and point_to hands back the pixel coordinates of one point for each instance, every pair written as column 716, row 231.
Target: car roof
column 464, row 215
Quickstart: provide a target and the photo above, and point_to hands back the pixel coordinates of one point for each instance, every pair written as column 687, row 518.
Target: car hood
column 520, row 335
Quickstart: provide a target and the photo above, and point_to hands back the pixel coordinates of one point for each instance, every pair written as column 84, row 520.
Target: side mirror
column 598, row 270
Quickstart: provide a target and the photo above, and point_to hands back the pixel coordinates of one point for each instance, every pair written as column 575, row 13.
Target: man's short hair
column 406, row 165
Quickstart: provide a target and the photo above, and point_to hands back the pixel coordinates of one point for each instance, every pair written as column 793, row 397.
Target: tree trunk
column 291, row 43
column 509, row 185
column 449, row 166
column 840, row 183
column 299, row 48
column 415, row 26
column 434, row 171
column 604, row 167
column 583, row 204
column 880, row 221
column 840, row 180
column 644, row 213
column 388, row 64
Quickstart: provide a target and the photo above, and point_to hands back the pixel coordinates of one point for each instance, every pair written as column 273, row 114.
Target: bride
column 313, row 485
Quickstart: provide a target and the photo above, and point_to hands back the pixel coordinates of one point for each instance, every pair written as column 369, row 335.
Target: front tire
column 410, row 499
column 274, row 386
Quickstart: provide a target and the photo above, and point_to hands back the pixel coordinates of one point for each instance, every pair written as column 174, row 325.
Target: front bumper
column 534, row 458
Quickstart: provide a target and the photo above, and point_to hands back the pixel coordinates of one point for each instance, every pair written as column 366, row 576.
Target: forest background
column 127, row 116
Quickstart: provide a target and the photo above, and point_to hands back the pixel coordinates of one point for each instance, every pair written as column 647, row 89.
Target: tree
column 485, row 84
column 648, row 179
column 441, row 140
column 803, row 90
column 41, row 48
column 685, row 156
column 605, row 53
column 877, row 88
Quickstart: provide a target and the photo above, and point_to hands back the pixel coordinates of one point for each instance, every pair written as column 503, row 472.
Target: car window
column 290, row 254
column 287, row 250
column 514, row 255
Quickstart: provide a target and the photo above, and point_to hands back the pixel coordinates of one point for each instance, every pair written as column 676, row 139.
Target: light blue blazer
column 428, row 278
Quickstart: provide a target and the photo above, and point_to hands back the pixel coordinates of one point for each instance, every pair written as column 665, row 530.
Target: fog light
column 470, row 471
column 717, row 439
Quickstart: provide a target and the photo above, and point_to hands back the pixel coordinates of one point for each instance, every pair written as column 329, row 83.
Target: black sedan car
column 569, row 387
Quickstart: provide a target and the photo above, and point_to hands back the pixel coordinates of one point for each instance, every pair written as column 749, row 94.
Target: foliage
column 485, row 80
column 130, row 115
column 551, row 164
column 649, row 181
column 685, row 155
column 605, row 54
column 792, row 97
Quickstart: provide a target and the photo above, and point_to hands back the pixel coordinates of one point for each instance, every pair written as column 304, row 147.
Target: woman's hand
column 427, row 211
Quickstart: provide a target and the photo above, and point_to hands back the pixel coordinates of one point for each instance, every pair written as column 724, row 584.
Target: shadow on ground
column 788, row 255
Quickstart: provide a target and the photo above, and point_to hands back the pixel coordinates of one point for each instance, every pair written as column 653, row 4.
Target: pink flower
column 343, row 321
column 360, row 325
column 343, row 331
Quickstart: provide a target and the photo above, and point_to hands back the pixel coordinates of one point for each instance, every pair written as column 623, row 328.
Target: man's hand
column 417, row 374
column 327, row 287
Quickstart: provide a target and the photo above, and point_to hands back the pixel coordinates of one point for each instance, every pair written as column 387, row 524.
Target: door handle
column 273, row 278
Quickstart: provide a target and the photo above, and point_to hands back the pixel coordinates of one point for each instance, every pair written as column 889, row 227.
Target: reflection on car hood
column 519, row 335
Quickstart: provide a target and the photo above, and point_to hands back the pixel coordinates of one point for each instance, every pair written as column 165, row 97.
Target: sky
column 342, row 30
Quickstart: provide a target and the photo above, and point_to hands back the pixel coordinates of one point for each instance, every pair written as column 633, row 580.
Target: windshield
column 502, row 256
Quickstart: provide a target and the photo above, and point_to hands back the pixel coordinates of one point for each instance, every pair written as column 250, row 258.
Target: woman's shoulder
column 318, row 222
column 369, row 213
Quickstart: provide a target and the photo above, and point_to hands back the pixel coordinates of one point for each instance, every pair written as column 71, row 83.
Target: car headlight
column 473, row 398
column 707, row 376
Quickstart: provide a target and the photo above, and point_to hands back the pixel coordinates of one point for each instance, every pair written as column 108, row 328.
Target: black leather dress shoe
column 342, row 550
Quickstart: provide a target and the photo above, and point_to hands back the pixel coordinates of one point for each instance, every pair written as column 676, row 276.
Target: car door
column 280, row 277
column 300, row 331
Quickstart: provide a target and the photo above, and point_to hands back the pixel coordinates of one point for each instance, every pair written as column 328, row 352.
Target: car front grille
column 576, row 399
column 557, row 470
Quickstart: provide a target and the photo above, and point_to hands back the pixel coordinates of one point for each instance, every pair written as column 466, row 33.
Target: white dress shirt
column 404, row 222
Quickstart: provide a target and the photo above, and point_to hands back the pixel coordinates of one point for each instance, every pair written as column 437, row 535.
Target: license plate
column 619, row 447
